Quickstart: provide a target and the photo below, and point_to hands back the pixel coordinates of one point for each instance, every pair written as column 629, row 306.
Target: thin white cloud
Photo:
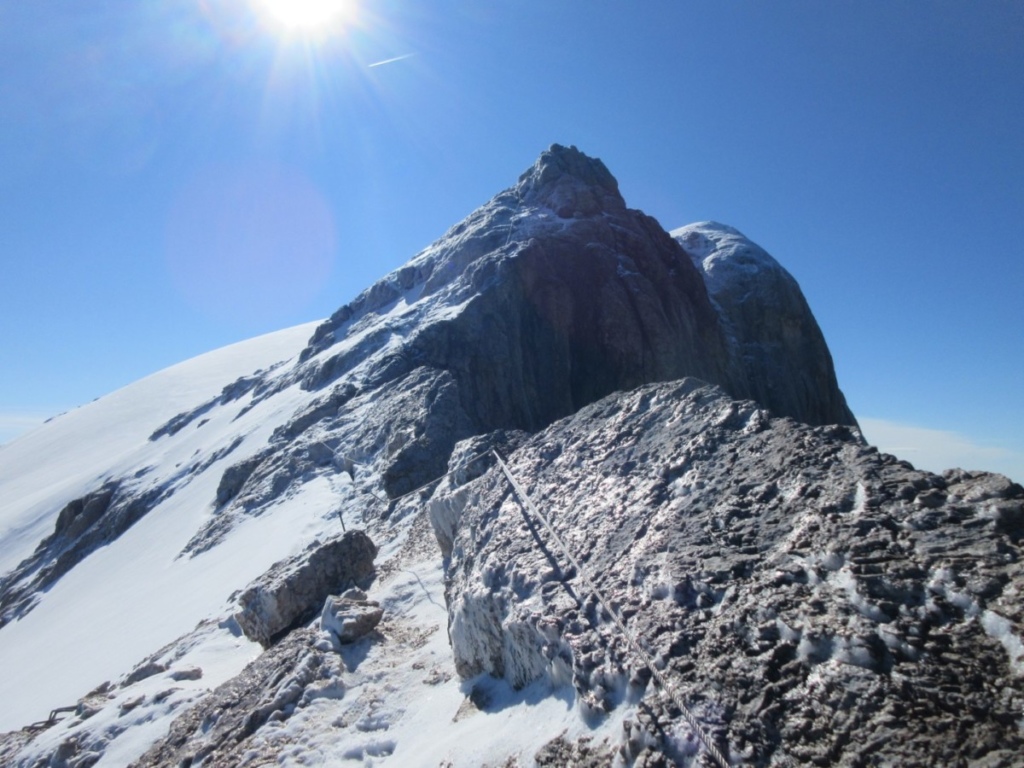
column 936, row 449
column 403, row 57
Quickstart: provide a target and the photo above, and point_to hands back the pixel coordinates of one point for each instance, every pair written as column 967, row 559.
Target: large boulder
column 293, row 590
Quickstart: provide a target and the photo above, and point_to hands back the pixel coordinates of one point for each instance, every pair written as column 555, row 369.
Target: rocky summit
column 565, row 489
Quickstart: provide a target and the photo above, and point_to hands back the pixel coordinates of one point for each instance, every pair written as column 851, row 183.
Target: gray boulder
column 293, row 590
column 350, row 616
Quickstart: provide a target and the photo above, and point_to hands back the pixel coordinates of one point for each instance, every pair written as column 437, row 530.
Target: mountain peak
column 570, row 183
column 631, row 381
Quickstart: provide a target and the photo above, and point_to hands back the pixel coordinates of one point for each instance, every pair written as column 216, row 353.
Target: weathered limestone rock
column 550, row 297
column 564, row 295
column 350, row 616
column 777, row 350
column 292, row 591
column 813, row 600
column 219, row 730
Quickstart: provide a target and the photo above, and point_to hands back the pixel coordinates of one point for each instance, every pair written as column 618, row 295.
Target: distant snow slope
column 106, row 435
column 148, row 597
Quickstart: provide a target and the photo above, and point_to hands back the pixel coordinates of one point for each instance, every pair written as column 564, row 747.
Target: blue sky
column 176, row 175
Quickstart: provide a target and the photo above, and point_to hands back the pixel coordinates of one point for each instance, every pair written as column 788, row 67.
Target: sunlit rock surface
column 813, row 601
column 774, row 341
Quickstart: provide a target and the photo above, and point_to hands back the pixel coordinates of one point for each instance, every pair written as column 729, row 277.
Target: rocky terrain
column 814, row 601
column 317, row 558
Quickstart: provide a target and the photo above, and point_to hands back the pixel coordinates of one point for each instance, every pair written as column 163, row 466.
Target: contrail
column 389, row 61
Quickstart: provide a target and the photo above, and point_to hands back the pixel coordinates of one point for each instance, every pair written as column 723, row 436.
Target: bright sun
column 308, row 15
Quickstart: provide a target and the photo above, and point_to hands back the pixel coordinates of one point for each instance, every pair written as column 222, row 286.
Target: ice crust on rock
column 781, row 573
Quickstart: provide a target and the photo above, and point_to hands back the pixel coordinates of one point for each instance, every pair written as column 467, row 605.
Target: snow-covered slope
column 65, row 458
column 135, row 594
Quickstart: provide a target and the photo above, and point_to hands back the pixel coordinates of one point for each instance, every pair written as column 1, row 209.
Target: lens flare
column 308, row 15
column 250, row 245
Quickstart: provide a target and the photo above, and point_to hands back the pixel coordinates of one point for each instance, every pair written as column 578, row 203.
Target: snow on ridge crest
column 717, row 249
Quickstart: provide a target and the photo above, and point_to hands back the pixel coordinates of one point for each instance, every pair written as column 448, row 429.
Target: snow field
column 150, row 596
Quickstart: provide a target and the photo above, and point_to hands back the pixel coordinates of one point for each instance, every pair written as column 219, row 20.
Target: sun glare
column 308, row 15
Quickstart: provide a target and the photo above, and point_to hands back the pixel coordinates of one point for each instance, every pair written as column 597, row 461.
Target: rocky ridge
column 549, row 297
column 778, row 569
column 816, row 602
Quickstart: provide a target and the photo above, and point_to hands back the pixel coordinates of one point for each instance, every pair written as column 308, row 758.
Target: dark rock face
column 82, row 526
column 293, row 591
column 774, row 341
column 813, row 601
column 219, row 730
column 564, row 295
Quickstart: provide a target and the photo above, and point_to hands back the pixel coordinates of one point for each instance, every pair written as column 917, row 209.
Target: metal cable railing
column 631, row 641
column 698, row 730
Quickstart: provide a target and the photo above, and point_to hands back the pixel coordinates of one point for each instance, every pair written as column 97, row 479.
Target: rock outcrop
column 220, row 731
column 292, row 591
column 83, row 526
column 774, row 341
column 813, row 600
